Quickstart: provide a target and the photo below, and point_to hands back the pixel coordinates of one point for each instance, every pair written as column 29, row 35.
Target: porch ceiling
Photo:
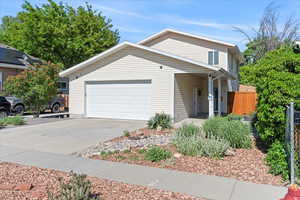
column 220, row 73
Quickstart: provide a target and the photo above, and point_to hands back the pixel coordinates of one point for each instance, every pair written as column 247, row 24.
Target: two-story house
column 177, row 73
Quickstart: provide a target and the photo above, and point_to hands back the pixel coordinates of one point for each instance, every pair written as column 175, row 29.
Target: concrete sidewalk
column 210, row 187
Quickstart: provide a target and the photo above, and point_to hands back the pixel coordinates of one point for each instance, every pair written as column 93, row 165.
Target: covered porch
column 201, row 95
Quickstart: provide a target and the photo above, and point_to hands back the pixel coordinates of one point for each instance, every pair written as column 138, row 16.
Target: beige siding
column 189, row 47
column 184, row 97
column 233, row 68
column 184, row 85
column 132, row 64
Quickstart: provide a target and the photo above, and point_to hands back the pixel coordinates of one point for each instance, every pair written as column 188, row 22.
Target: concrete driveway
column 66, row 136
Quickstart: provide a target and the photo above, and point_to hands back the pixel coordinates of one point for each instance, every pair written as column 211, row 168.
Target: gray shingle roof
column 10, row 55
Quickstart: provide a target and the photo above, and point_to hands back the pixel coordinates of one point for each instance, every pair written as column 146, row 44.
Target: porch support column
column 219, row 96
column 210, row 96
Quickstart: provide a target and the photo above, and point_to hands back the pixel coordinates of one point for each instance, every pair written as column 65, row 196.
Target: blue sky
column 137, row 19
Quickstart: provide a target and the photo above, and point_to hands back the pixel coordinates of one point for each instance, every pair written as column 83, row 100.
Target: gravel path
column 44, row 180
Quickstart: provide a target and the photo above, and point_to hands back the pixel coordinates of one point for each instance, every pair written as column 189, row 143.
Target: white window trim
column 213, row 57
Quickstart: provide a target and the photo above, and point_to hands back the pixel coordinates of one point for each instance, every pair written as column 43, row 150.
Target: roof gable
column 231, row 47
column 167, row 31
column 126, row 44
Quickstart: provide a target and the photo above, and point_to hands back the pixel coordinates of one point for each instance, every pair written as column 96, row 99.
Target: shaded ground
column 44, row 180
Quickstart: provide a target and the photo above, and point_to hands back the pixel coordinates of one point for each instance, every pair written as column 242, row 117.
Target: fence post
column 292, row 157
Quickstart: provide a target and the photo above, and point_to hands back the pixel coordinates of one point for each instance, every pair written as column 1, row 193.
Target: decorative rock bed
column 140, row 141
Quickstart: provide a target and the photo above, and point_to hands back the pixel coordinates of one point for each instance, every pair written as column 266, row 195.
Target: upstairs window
column 213, row 57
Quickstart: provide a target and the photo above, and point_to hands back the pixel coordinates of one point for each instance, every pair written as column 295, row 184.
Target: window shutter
column 210, row 58
column 216, row 57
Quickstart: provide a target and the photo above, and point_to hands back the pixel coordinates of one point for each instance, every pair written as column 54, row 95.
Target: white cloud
column 130, row 29
column 215, row 25
column 122, row 12
column 206, row 24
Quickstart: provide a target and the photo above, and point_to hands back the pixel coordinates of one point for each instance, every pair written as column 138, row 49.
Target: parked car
column 18, row 106
column 4, row 107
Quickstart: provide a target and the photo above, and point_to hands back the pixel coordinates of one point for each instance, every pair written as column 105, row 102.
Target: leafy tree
column 36, row 86
column 59, row 33
column 276, row 77
column 269, row 36
column 6, row 21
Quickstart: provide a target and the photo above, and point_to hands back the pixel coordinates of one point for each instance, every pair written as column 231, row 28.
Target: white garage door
column 119, row 99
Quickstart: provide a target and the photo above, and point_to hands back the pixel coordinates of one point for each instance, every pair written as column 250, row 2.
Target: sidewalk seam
column 233, row 189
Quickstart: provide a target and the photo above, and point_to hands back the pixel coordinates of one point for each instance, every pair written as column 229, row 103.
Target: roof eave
column 12, row 66
column 227, row 74
column 123, row 45
column 165, row 31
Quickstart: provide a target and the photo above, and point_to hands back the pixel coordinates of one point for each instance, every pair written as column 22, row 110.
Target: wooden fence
column 241, row 103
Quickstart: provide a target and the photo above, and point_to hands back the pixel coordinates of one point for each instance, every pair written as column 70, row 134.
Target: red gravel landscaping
column 245, row 165
column 43, row 180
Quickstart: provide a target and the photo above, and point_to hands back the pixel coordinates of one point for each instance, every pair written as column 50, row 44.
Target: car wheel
column 3, row 114
column 55, row 108
column 19, row 109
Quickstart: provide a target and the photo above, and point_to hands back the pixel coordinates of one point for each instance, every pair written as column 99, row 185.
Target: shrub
column 16, row 120
column 133, row 158
column 36, row 85
column 77, row 189
column 160, row 120
column 200, row 146
column 188, row 130
column 2, row 123
column 142, row 151
column 213, row 147
column 127, row 151
column 107, row 153
column 213, row 125
column 120, row 157
column 187, row 145
column 276, row 77
column 234, row 117
column 189, row 141
column 235, row 132
column 277, row 160
column 186, row 139
column 156, row 154
column 126, row 133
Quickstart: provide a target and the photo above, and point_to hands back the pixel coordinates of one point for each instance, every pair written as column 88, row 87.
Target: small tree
column 36, row 86
column 270, row 35
column 59, row 33
column 276, row 77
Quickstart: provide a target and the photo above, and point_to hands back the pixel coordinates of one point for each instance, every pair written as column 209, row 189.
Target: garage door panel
column 119, row 99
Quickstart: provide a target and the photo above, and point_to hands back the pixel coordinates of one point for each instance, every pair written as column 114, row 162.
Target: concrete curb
column 210, row 187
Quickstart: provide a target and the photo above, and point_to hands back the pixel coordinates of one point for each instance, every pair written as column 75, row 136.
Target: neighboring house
column 177, row 73
column 13, row 61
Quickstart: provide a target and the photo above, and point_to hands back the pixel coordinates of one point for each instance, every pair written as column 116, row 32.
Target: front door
column 196, row 101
